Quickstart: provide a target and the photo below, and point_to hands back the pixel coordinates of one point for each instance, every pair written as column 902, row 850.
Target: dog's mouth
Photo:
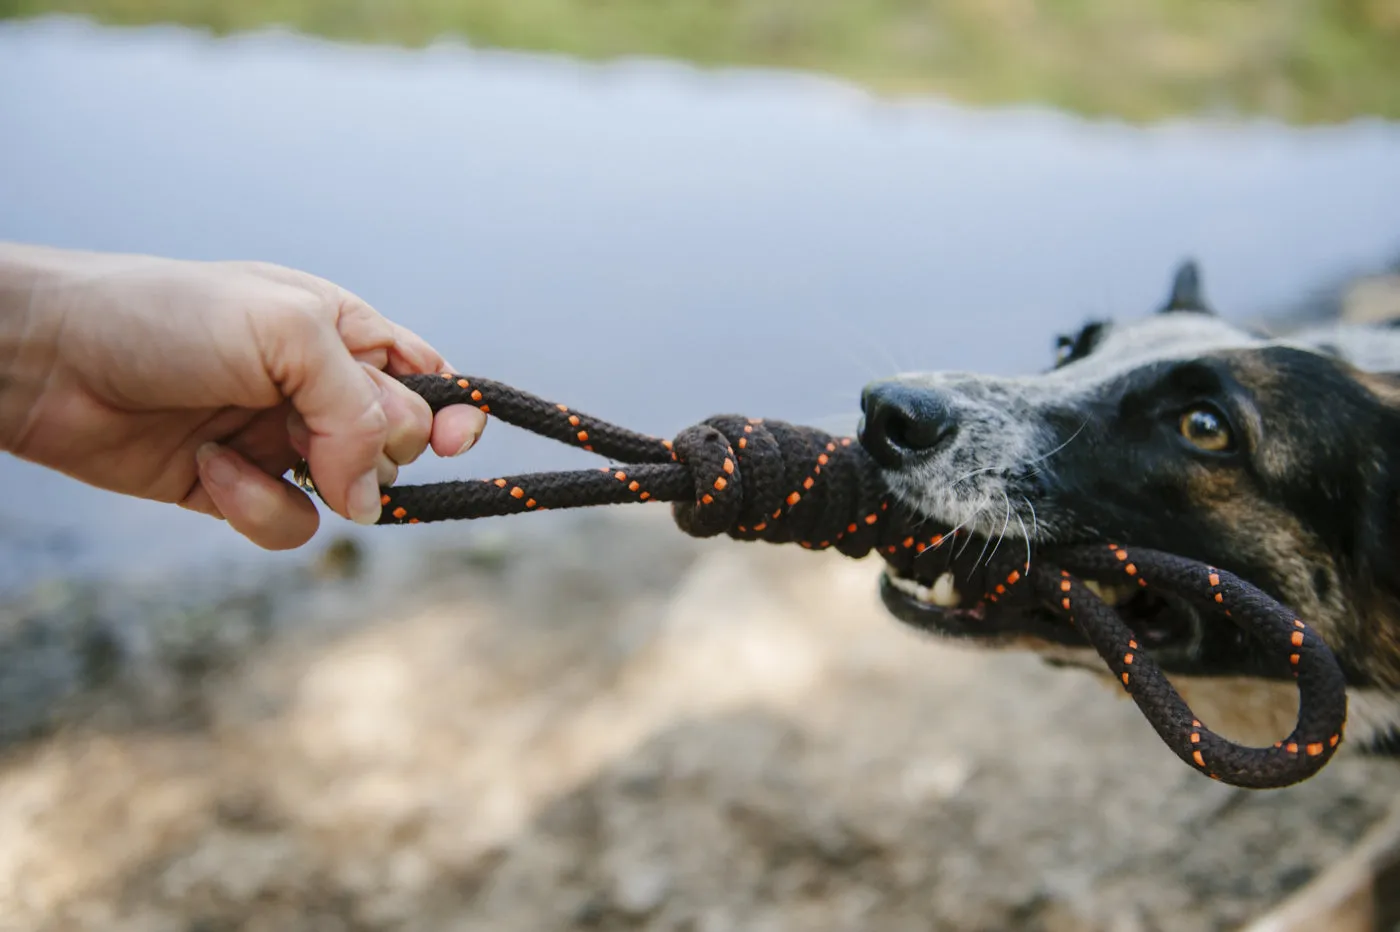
column 951, row 592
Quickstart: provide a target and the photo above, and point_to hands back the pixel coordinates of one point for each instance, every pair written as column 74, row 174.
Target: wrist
column 28, row 329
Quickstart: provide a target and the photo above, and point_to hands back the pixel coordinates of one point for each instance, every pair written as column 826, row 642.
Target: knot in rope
column 779, row 483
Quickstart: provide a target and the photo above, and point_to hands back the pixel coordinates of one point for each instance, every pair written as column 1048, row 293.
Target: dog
column 1273, row 456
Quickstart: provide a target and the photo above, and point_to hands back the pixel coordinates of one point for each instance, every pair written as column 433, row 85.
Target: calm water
column 645, row 241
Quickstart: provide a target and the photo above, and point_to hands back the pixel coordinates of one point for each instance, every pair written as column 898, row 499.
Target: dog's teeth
column 945, row 592
column 910, row 588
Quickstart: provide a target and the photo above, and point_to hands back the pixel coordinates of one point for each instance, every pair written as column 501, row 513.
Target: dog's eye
column 1205, row 428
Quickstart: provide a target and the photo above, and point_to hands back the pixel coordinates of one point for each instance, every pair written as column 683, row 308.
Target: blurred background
column 653, row 211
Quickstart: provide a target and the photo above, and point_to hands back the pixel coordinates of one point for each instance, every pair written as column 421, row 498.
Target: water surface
column 646, row 241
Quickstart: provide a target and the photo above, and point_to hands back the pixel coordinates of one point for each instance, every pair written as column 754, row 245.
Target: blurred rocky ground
column 590, row 721
column 594, row 722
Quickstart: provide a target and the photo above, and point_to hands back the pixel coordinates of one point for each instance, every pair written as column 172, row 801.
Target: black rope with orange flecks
column 768, row 480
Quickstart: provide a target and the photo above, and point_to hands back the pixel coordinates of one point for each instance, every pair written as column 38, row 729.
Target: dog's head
column 1276, row 459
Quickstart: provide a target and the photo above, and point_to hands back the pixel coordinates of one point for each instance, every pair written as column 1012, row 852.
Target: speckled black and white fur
column 1305, row 504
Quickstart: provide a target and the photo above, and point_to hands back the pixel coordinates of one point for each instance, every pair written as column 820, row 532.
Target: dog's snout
column 901, row 422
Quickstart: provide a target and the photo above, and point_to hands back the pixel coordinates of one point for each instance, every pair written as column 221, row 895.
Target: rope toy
column 754, row 479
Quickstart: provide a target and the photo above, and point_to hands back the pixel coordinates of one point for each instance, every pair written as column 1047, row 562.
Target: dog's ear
column 1186, row 291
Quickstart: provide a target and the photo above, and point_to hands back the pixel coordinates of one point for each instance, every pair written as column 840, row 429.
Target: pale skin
column 202, row 384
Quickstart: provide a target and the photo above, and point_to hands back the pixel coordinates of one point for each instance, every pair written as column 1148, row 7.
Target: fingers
column 360, row 422
column 343, row 410
column 269, row 511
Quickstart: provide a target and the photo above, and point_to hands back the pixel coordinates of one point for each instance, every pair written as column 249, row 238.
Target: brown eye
column 1205, row 429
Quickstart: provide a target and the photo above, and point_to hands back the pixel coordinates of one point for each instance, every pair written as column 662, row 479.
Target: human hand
column 203, row 383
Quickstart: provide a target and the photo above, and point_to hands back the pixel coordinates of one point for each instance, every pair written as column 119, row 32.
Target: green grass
column 1304, row 61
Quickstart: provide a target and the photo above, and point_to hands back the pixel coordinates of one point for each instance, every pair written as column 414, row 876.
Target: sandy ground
column 623, row 728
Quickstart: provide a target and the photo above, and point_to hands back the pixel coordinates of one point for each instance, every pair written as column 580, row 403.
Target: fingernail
column 471, row 442
column 386, row 471
column 363, row 502
column 475, row 435
column 214, row 468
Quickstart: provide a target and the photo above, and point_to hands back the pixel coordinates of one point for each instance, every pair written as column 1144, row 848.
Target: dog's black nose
column 902, row 422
